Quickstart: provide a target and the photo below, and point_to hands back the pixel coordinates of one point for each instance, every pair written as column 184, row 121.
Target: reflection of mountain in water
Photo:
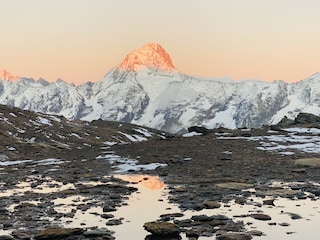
column 151, row 182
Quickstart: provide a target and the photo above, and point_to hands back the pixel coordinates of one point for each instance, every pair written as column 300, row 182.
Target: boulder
column 162, row 228
column 57, row 233
column 211, row 204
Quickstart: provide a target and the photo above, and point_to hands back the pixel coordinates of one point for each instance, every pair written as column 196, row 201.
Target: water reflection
column 150, row 182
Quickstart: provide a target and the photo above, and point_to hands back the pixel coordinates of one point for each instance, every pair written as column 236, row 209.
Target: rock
column 97, row 233
column 57, row 233
column 202, row 218
column 284, row 224
column 162, row 228
column 211, row 204
column 308, row 162
column 234, row 185
column 113, row 222
column 169, row 216
column 295, row 216
column 234, row 236
column 21, row 235
column 108, row 208
column 285, row 122
column 198, row 129
column 260, row 216
column 306, row 118
column 193, row 233
column 269, row 202
column 6, row 237
column 255, row 233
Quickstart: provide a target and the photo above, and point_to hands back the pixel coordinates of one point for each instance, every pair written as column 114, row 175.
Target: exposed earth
column 44, row 159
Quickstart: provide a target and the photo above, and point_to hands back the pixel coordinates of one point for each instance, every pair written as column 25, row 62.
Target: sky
column 81, row 40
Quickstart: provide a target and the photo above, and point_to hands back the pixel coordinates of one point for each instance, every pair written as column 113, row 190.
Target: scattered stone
column 269, row 202
column 113, row 222
column 294, row 216
column 260, row 216
column 255, row 233
column 162, row 228
column 284, row 224
column 107, row 216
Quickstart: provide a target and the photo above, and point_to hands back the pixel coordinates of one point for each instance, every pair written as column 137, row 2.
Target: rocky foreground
column 48, row 161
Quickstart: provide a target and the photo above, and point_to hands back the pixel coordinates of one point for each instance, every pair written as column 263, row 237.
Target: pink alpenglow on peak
column 152, row 56
column 5, row 75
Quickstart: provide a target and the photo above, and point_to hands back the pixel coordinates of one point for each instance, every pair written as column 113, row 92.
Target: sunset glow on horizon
column 81, row 40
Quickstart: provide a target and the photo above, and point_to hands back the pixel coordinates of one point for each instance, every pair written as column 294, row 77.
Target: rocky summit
column 53, row 170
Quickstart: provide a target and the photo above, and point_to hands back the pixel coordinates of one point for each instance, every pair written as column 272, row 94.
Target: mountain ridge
column 146, row 89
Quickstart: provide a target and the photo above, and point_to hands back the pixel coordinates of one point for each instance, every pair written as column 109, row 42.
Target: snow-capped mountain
column 146, row 89
column 5, row 75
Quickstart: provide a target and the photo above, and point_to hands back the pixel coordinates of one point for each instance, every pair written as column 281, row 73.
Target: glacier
column 146, row 89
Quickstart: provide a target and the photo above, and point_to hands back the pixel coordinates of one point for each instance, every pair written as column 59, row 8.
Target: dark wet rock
column 7, row 225
column 156, row 237
column 202, row 218
column 193, row 233
column 198, row 129
column 260, row 216
column 294, row 216
column 272, row 223
column 107, row 216
column 185, row 223
column 284, row 224
column 269, row 202
column 57, row 233
column 113, row 222
column 255, row 233
column 162, row 228
column 170, row 216
column 6, row 237
column 234, row 236
column 108, row 208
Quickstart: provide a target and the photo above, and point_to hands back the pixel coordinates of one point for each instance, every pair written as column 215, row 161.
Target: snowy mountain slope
column 146, row 89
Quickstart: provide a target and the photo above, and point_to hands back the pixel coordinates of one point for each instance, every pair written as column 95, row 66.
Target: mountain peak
column 5, row 75
column 151, row 55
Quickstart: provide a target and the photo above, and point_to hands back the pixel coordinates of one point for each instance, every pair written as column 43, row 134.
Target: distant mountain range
column 146, row 89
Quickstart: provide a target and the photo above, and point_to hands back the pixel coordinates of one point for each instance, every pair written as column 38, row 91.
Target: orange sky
column 81, row 40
